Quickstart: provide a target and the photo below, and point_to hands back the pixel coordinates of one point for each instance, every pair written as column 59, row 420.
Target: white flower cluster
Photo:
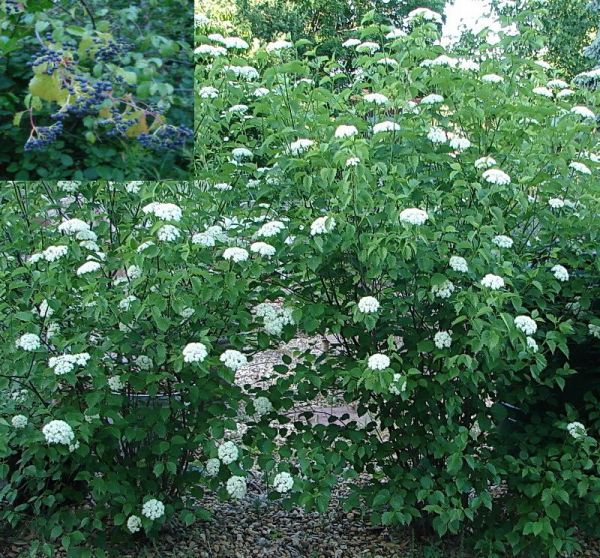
column 576, row 429
column 262, row 405
column 485, row 163
column 208, row 92
column 283, row 482
column 168, row 233
column 73, row 226
column 368, row 305
column 503, row 241
column 274, row 316
column 50, row 254
column 263, row 249
column 164, row 211
column 580, row 167
column 526, row 325
column 300, row 146
column 143, row 362
column 134, row 523
column 153, row 509
column 63, row 364
column 560, row 272
column 378, row 361
column 209, row 237
column 437, row 135
column 115, row 383
column 58, row 432
column 322, row 225
column 496, row 176
column 236, row 487
column 457, row 263
column 413, row 216
column 88, row 267
column 443, row 339
column 233, row 359
column 594, row 330
column 376, row 98
column 19, row 421
column 212, row 467
column 194, row 352
column 245, row 72
column 493, row 282
column 270, row 228
column 443, row 290
column 235, row 254
column 386, row 126
column 28, row 342
column 344, row 131
column 424, row 14
column 228, row 452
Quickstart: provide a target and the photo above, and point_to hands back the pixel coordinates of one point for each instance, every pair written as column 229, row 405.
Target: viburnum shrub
column 434, row 217
column 123, row 329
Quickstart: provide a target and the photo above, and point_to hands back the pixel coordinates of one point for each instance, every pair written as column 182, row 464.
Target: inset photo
column 96, row 89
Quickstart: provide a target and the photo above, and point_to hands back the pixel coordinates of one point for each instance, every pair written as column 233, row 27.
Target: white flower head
column 134, row 523
column 345, row 131
column 208, row 92
column 580, row 167
column 277, row 46
column 368, row 305
column 556, row 203
column 386, row 126
column 300, row 146
column 153, row 509
column 53, row 253
column 194, row 352
column 28, row 342
column 424, row 14
column 561, row 273
column 58, row 432
column 583, row 112
column 283, row 482
column 496, row 176
column 228, row 452
column 269, row 229
column 492, row 78
column 432, row 99
column 236, row 487
column 503, row 241
column 577, row 430
column 233, row 359
column 493, row 282
column 73, row 226
column 437, row 135
column 367, row 46
column 322, row 225
column 168, row 233
column 164, row 211
column 88, row 267
column 115, row 383
column 442, row 339
column 543, row 91
column 376, row 98
column 263, row 249
column 457, row 263
column 485, row 163
column 212, row 467
column 235, row 254
column 262, row 405
column 19, row 421
column 443, row 290
column 413, row 216
column 378, row 361
column 526, row 325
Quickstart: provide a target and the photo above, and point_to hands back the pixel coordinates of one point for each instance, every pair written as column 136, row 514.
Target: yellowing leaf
column 48, row 88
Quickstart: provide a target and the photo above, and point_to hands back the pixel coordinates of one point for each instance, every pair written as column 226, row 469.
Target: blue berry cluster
column 118, row 123
column 111, row 50
column 43, row 136
column 12, row 7
column 50, row 56
column 167, row 137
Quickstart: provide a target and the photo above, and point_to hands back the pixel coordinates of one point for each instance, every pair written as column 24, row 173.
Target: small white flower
column 19, row 421
column 263, row 249
column 144, row 362
column 556, row 203
column 208, row 92
column 153, row 509
column 228, row 452
column 126, row 303
column 543, row 91
column 594, row 330
column 322, row 225
column 344, row 131
column 493, row 282
column 260, row 92
column 557, row 84
column 378, row 361
column 564, row 93
column 58, row 432
column 134, row 523
column 168, row 233
column 28, row 342
column 443, row 290
column 503, row 241
column 235, row 42
column 115, row 383
column 485, row 163
column 367, row 46
column 442, row 60
column 576, row 429
column 73, row 226
column 468, row 65
column 584, row 112
column 526, row 325
column 432, row 99
column 424, row 14
column 437, row 135
column 352, row 161
column 300, row 146
column 413, row 216
column 283, row 482
column 580, row 167
column 262, row 405
column 496, row 176
column 395, row 33
column 376, row 98
column 459, row 264
column 212, row 467
column 277, row 46
column 368, row 305
column 240, row 153
column 531, row 344
column 560, row 272
column 442, row 339
column 194, row 352
column 88, row 267
column 235, row 254
column 269, row 229
column 492, row 78
column 233, row 359
column 386, row 126
column 459, row 143
column 236, row 487
column 53, row 253
column 398, row 384
column 349, row 43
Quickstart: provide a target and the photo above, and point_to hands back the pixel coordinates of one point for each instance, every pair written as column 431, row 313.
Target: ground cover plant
column 93, row 89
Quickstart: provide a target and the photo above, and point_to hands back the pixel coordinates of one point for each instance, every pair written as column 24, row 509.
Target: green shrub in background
column 95, row 91
column 436, row 220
